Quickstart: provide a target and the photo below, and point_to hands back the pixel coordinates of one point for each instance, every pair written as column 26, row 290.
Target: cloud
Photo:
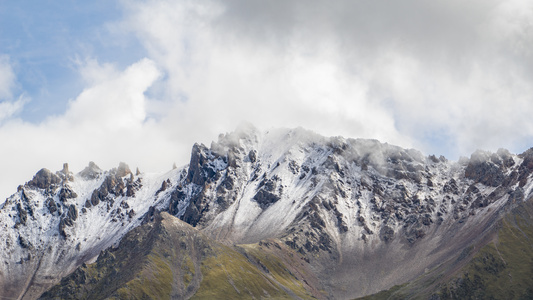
column 9, row 109
column 107, row 123
column 223, row 78
column 7, row 78
column 116, row 100
column 8, row 106
column 446, row 77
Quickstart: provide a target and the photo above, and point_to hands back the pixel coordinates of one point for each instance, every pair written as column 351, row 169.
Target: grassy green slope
column 501, row 269
column 168, row 259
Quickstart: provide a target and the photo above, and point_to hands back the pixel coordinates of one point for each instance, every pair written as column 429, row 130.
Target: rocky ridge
column 351, row 209
column 167, row 258
column 57, row 221
column 364, row 207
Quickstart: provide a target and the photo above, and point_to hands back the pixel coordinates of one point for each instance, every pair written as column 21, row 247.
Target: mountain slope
column 497, row 267
column 366, row 215
column 502, row 269
column 357, row 216
column 167, row 258
column 57, row 221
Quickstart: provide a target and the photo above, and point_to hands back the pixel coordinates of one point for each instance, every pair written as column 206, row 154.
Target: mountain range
column 285, row 214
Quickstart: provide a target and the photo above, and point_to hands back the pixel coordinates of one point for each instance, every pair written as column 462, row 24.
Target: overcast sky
column 141, row 81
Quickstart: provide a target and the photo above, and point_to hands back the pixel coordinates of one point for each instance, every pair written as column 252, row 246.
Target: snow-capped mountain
column 366, row 215
column 363, row 215
column 57, row 221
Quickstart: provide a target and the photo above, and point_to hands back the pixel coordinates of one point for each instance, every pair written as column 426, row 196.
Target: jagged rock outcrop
column 338, row 199
column 92, row 171
column 497, row 266
column 361, row 214
column 57, row 221
column 68, row 220
column 268, row 192
column 485, row 169
column 123, row 170
column 66, row 193
column 65, row 174
column 44, row 179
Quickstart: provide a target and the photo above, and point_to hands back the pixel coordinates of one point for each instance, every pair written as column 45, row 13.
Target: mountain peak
column 91, row 171
column 123, row 169
column 350, row 210
column 44, row 178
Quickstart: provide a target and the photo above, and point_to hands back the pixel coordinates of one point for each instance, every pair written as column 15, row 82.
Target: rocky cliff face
column 167, row 258
column 496, row 266
column 57, row 221
column 366, row 215
column 361, row 214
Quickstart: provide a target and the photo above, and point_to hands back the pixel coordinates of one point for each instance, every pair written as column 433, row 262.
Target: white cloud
column 115, row 102
column 7, row 78
column 228, row 79
column 10, row 108
column 443, row 76
column 405, row 72
column 92, row 72
column 106, row 123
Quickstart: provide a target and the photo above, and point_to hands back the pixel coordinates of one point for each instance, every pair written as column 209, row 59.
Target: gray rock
column 163, row 187
column 51, row 205
column 95, row 198
column 194, row 212
column 265, row 198
column 123, row 170
column 252, row 155
column 92, row 171
column 72, row 212
column 23, row 242
column 487, row 173
column 65, row 169
column 66, row 193
column 199, row 158
column 44, row 179
column 65, row 174
column 386, row 233
column 451, row 187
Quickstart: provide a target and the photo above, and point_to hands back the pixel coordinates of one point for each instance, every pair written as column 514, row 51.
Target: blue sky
column 141, row 80
column 45, row 39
